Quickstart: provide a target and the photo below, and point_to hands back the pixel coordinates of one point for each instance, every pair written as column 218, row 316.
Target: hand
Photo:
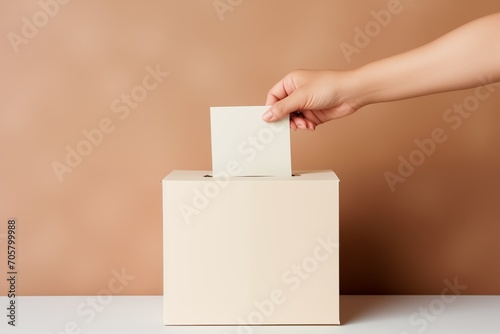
column 311, row 98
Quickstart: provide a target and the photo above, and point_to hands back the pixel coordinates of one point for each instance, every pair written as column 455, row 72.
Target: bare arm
column 466, row 57
column 463, row 58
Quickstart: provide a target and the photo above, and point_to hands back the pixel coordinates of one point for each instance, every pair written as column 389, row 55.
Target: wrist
column 356, row 89
column 363, row 86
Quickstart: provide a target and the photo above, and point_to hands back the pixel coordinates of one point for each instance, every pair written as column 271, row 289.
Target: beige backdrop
column 68, row 72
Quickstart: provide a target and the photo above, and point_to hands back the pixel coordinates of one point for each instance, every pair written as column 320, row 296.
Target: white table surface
column 359, row 314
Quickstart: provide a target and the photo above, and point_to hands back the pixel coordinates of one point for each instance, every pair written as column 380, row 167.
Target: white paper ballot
column 245, row 145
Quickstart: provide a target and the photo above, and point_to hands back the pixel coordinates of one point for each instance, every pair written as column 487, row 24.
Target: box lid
column 206, row 175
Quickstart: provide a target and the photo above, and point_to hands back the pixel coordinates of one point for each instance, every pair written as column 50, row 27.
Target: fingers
column 285, row 97
column 280, row 90
column 283, row 107
column 281, row 99
column 299, row 122
column 275, row 94
column 311, row 116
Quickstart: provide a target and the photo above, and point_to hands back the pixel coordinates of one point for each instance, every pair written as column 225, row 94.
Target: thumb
column 283, row 107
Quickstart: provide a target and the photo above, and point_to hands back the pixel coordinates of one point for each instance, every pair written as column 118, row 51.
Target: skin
column 466, row 57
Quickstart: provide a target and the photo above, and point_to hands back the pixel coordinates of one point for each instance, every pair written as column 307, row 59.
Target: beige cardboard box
column 251, row 250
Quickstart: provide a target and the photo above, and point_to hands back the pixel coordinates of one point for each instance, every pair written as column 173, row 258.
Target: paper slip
column 245, row 145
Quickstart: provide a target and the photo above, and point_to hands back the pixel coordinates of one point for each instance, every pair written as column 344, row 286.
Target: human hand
column 311, row 98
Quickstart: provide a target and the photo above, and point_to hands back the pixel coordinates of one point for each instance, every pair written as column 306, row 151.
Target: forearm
column 466, row 57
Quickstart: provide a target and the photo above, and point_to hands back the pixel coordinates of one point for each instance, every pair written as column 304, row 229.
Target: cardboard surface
column 244, row 145
column 251, row 250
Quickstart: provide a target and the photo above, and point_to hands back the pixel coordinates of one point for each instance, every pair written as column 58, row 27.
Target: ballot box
column 248, row 251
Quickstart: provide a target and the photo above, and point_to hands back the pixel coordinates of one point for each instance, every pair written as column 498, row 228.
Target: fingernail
column 267, row 116
column 302, row 127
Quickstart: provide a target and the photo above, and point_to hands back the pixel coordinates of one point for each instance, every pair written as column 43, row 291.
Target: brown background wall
column 441, row 223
